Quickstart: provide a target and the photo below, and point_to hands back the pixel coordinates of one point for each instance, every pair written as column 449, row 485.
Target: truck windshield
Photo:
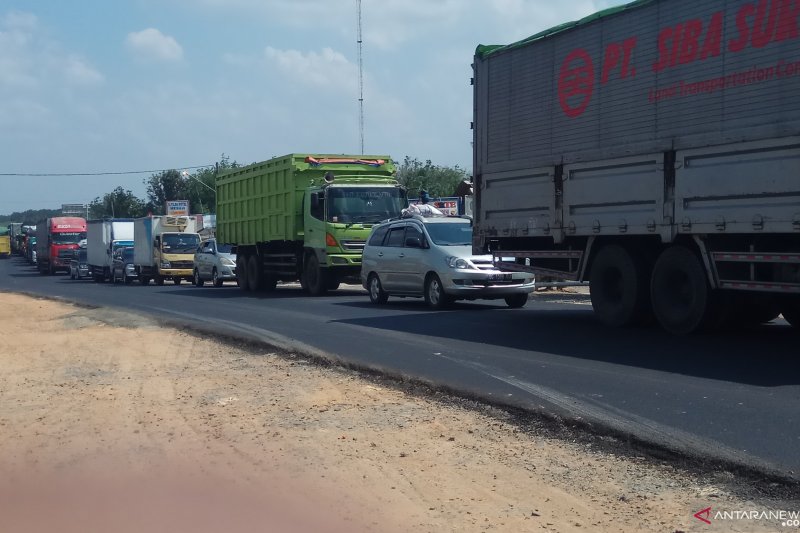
column 455, row 234
column 67, row 238
column 121, row 244
column 180, row 243
column 364, row 204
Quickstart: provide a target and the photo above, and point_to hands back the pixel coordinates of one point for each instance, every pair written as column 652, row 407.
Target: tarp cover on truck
column 484, row 50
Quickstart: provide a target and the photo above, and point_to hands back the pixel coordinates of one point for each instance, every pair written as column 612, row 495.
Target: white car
column 431, row 257
column 215, row 263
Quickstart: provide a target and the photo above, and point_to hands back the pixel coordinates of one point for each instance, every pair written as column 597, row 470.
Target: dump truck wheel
column 682, row 299
column 241, row 273
column 254, row 275
column 618, row 287
column 316, row 277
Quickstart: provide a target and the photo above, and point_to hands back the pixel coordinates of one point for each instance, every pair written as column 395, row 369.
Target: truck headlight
column 458, row 262
column 165, row 264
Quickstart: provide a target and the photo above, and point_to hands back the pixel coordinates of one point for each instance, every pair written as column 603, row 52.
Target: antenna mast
column 360, row 79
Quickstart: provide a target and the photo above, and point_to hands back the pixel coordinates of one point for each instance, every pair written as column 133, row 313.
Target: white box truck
column 652, row 149
column 164, row 248
column 103, row 238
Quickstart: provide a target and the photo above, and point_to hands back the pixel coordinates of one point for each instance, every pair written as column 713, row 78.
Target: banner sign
column 177, row 207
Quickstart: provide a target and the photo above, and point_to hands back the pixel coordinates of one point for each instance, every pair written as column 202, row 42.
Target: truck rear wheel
column 618, row 287
column 316, row 278
column 254, row 275
column 681, row 295
column 241, row 272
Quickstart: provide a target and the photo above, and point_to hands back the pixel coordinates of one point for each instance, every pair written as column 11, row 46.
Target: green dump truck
column 304, row 217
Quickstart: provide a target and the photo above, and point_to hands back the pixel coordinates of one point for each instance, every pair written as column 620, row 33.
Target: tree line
column 198, row 187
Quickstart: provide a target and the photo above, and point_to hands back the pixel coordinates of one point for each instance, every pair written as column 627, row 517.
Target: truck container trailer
column 103, row 238
column 15, row 235
column 164, row 248
column 5, row 244
column 57, row 237
column 651, row 149
column 304, row 217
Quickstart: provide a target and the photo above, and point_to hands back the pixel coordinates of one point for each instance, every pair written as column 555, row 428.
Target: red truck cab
column 56, row 240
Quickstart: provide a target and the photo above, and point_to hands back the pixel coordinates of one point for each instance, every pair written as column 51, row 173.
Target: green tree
column 166, row 185
column 29, row 217
column 201, row 185
column 198, row 187
column 436, row 179
column 119, row 203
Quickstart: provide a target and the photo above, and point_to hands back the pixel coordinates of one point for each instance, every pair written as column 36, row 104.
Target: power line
column 45, row 174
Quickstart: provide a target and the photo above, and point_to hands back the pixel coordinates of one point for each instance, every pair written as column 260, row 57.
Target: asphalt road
column 732, row 396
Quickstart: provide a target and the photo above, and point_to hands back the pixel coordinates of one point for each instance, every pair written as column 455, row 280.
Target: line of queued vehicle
column 213, row 263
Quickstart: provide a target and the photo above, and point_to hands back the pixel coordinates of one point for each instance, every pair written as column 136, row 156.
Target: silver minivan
column 215, row 263
column 431, row 257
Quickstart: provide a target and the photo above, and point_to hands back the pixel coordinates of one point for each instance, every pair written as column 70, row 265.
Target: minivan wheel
column 435, row 296
column 215, row 278
column 198, row 282
column 376, row 293
column 515, row 301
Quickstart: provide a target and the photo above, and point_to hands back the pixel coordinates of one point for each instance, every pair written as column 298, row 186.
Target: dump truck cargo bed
column 263, row 202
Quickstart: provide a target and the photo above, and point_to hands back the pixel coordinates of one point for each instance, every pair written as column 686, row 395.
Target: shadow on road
column 233, row 291
column 765, row 356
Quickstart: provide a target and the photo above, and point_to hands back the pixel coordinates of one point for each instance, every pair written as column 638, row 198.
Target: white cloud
column 79, row 72
column 20, row 21
column 327, row 68
column 30, row 60
column 152, row 45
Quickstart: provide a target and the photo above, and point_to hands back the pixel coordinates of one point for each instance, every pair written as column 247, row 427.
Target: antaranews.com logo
column 784, row 518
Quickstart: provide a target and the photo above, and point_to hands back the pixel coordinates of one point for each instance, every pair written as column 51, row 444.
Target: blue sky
column 100, row 86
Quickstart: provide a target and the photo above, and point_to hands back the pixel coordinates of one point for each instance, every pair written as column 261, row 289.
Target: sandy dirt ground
column 110, row 422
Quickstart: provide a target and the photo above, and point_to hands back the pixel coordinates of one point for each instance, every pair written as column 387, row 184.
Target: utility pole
column 360, row 79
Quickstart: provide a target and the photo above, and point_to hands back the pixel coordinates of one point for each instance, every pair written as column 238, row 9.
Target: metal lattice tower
column 360, row 79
